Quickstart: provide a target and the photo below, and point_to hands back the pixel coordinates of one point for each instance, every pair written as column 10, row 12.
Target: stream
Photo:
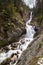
column 27, row 39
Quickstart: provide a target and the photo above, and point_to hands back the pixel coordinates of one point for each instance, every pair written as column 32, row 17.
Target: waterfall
column 30, row 30
column 30, row 3
column 28, row 37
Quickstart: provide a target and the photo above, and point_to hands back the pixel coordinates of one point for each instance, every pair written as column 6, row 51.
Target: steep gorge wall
column 13, row 15
column 38, row 14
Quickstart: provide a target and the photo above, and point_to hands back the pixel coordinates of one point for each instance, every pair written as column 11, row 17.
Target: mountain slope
column 13, row 15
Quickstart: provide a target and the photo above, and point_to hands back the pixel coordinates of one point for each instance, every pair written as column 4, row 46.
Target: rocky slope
column 33, row 52
column 13, row 15
column 38, row 15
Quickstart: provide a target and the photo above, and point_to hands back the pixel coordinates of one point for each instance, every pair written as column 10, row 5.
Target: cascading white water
column 28, row 37
column 29, row 28
column 30, row 3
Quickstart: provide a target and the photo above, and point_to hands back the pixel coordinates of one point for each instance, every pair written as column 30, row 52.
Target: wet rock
column 9, row 47
column 36, row 28
column 6, row 48
column 24, row 31
column 22, row 41
column 14, row 58
column 14, row 45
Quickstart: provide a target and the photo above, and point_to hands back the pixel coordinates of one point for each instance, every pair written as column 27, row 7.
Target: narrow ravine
column 28, row 39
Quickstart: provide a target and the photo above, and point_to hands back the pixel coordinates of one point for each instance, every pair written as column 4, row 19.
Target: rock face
column 38, row 17
column 33, row 52
column 13, row 15
column 38, row 14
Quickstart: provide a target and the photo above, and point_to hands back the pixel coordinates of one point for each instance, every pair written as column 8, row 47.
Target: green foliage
column 3, row 42
column 39, row 44
column 7, row 11
column 11, row 18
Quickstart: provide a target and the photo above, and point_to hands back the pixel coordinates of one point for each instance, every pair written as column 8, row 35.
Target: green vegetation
column 3, row 42
column 11, row 19
column 39, row 44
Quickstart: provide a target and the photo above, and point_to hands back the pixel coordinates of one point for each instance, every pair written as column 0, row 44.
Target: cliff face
column 38, row 14
column 13, row 15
